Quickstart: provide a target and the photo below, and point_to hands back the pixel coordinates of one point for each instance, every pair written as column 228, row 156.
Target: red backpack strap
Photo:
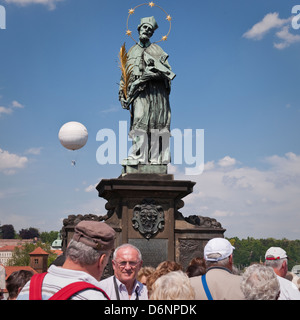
column 35, row 288
column 68, row 291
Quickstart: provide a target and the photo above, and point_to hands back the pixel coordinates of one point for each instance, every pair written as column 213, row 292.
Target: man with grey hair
column 277, row 258
column 123, row 285
column 218, row 283
column 259, row 282
column 78, row 279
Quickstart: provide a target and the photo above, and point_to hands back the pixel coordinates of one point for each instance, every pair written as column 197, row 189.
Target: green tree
column 29, row 233
column 49, row 237
column 252, row 250
column 21, row 255
column 7, row 231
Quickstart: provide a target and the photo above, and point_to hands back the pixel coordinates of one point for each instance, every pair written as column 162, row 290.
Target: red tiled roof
column 57, row 252
column 38, row 250
column 7, row 248
column 14, row 242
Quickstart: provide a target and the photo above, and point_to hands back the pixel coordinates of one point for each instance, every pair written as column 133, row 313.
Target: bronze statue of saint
column 148, row 94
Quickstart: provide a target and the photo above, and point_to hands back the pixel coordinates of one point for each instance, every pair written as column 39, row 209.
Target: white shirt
column 58, row 277
column 288, row 290
column 138, row 290
column 2, row 277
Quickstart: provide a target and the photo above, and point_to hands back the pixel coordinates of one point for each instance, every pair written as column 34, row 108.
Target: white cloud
column 172, row 169
column 227, row 162
column 16, row 104
column 34, row 151
column 4, row 110
column 10, row 109
column 93, row 206
column 270, row 21
column 51, row 4
column 209, row 165
column 9, row 162
column 286, row 38
column 111, row 109
column 90, row 188
column 248, row 201
column 220, row 213
column 288, row 165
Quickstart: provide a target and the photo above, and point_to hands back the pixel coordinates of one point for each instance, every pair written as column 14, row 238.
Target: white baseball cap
column 275, row 253
column 220, row 246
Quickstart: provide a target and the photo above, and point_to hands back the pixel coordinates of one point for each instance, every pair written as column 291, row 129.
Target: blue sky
column 237, row 67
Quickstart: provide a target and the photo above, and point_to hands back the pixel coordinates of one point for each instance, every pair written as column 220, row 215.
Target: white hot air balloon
column 73, row 136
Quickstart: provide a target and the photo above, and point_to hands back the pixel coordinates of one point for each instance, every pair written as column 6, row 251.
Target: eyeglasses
column 123, row 264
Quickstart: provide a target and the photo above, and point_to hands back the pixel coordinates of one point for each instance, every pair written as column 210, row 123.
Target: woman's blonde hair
column 174, row 285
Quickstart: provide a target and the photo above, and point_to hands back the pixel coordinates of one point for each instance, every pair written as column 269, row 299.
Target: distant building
column 39, row 260
column 7, row 247
column 57, row 244
column 15, row 242
column 6, row 254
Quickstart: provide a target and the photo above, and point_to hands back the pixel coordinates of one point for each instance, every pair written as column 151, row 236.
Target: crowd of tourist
column 212, row 277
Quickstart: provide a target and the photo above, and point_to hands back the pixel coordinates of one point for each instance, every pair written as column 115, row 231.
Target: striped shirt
column 57, row 278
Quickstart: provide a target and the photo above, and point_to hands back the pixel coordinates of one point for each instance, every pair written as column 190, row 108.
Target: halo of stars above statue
column 151, row 5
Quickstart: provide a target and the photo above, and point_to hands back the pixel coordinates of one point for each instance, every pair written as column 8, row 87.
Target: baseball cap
column 95, row 234
column 275, row 253
column 220, row 246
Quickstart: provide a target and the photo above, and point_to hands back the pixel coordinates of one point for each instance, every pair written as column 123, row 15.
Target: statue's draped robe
column 151, row 107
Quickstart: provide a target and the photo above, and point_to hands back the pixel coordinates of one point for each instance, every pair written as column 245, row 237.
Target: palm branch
column 126, row 69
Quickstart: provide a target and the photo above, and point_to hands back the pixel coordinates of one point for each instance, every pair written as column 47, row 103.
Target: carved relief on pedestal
column 148, row 218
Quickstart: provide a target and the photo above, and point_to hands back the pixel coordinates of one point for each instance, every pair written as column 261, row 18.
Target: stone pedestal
column 190, row 238
column 143, row 209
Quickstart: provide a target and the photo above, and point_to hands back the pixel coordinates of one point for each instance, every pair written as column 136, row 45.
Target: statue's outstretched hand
column 124, row 103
